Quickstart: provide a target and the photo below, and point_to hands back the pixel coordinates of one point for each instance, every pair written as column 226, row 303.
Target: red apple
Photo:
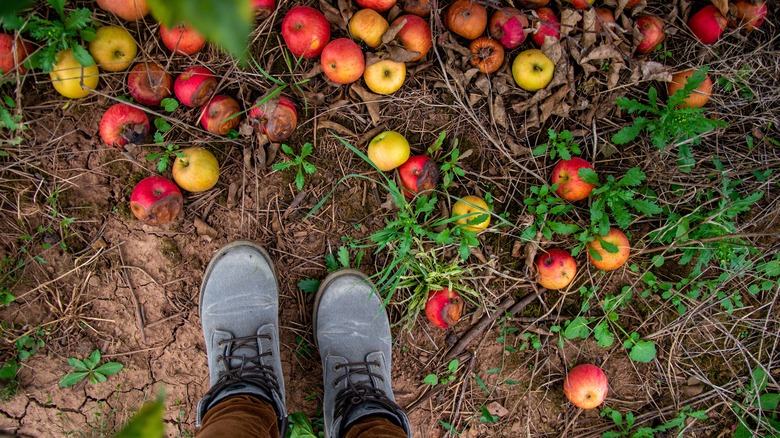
column 507, row 25
column 466, row 18
column 652, row 29
column 748, row 14
column 377, row 5
column 699, row 97
column 220, row 115
column 342, row 61
column 418, row 174
column 580, row 4
column 305, row 31
column 276, row 118
column 549, row 25
column 149, row 83
column 195, row 86
column 368, row 26
column 156, row 200
column 415, row 35
column 532, row 4
column 421, row 8
column 182, row 39
column 263, row 8
column 610, row 260
column 443, row 308
column 707, row 24
column 13, row 52
column 130, row 10
column 586, row 386
column 566, row 175
column 604, row 17
column 555, row 269
column 122, row 124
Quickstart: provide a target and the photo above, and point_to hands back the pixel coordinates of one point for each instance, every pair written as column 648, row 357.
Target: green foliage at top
column 56, row 34
column 559, row 145
column 669, row 124
column 89, row 369
column 227, row 24
column 298, row 162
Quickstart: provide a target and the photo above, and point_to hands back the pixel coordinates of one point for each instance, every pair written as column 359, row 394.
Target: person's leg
column 352, row 333
column 239, row 310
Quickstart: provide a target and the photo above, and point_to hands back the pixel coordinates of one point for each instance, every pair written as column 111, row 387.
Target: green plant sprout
column 618, row 196
column 449, row 162
column 559, row 145
column 299, row 162
column 170, row 151
column 433, row 379
column 545, row 205
column 89, row 369
column 625, row 424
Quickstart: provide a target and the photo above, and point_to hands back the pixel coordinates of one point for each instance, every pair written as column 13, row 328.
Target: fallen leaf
column 270, row 153
column 569, row 20
column 651, row 71
column 497, row 409
column 232, row 194
column 370, row 99
column 555, row 105
column 392, row 31
column 398, row 53
column 205, row 230
column 499, row 112
column 722, row 5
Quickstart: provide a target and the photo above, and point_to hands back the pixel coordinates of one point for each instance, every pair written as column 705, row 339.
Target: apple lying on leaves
column 13, row 52
column 275, row 117
column 195, row 86
column 385, row 77
column 122, row 124
column 749, row 14
column 699, row 96
column 487, row 54
column 156, row 200
column 549, row 26
column 220, row 115
column 609, row 252
column 443, row 308
column 507, row 25
column 532, row 70
column 707, row 24
column 566, row 174
column 113, row 48
column 466, row 18
column 342, row 61
column 586, row 386
column 377, row 5
column 653, row 34
column 421, row 8
column 196, row 170
column 368, row 26
column 415, row 35
column 555, row 269
column 182, row 39
column 305, row 31
column 474, row 211
column 388, row 150
column 418, row 174
column 149, row 83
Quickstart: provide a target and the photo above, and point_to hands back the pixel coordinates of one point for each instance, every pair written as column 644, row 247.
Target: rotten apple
column 466, row 18
column 122, row 124
column 555, row 269
column 275, row 117
column 421, row 8
column 749, row 14
column 549, row 26
column 507, row 25
column 195, row 86
column 487, row 54
column 149, row 83
column 156, row 200
column 220, row 115
column 653, row 34
column 707, row 24
column 418, row 174
column 443, row 307
column 586, row 386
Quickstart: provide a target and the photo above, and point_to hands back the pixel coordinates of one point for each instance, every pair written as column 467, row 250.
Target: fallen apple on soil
column 156, row 200
column 586, row 386
column 415, row 35
column 466, row 18
column 130, row 10
column 149, row 83
column 570, row 186
column 707, row 24
column 122, row 124
column 653, row 34
column 385, row 77
column 68, row 75
column 555, row 269
column 197, row 171
column 305, row 31
column 487, row 54
column 13, row 52
column 532, row 70
column 113, row 48
column 275, row 117
column 388, row 150
column 342, row 61
column 195, row 86
column 368, row 26
column 699, row 97
column 418, row 174
column 472, row 208
column 182, row 39
column 749, row 14
column 610, row 260
column 548, row 26
column 220, row 115
column 507, row 25
column 443, row 308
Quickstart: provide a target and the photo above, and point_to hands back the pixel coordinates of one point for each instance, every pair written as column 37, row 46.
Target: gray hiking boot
column 352, row 333
column 239, row 309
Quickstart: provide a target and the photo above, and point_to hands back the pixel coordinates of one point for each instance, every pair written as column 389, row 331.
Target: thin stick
column 139, row 314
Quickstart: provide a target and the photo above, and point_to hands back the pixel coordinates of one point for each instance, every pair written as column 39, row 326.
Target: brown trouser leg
column 239, row 417
column 375, row 427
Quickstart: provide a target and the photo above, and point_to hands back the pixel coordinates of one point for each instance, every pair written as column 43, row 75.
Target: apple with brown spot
column 220, row 115
column 653, row 34
column 418, row 174
column 555, row 269
column 276, row 117
column 149, row 83
column 122, row 124
column 156, row 200
column 443, row 307
column 195, row 86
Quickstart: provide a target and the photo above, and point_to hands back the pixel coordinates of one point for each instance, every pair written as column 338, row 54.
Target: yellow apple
column 368, row 26
column 532, row 70
column 68, row 74
column 197, row 171
column 388, row 150
column 471, row 208
column 385, row 77
column 113, row 48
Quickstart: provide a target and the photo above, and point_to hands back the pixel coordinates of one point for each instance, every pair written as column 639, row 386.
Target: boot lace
column 249, row 369
column 360, row 390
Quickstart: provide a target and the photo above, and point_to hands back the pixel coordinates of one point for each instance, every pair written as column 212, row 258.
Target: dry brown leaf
column 499, row 112
column 245, row 129
column 399, row 53
column 613, row 75
column 588, row 29
column 474, row 98
column 569, row 20
column 651, row 71
column 497, row 409
column 722, row 5
column 483, row 84
column 333, row 126
column 316, row 70
column 270, row 153
column 370, row 99
column 515, row 148
column 232, row 194
column 392, row 31
column 205, row 230
column 332, row 14
column 260, row 156
column 555, row 104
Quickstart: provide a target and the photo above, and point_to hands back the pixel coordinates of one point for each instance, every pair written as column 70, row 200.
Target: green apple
column 532, row 70
column 196, row 171
column 113, row 48
column 68, row 75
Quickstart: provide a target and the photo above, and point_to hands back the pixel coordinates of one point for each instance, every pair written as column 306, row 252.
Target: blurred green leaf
column 147, row 423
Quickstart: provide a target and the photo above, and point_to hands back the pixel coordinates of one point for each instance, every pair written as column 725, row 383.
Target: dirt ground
column 106, row 281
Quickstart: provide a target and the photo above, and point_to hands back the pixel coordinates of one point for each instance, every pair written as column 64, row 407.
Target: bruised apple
column 418, row 174
column 421, row 8
column 275, row 117
column 182, row 39
column 609, row 261
column 586, row 386
column 507, row 25
column 549, row 26
column 156, row 200
column 555, row 269
column 570, row 186
column 220, row 115
column 149, row 83
column 699, row 96
column 466, row 18
column 195, row 86
column 653, row 34
column 487, row 54
column 122, row 124
column 443, row 308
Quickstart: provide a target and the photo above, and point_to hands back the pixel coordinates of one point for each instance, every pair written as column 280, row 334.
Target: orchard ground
column 87, row 275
